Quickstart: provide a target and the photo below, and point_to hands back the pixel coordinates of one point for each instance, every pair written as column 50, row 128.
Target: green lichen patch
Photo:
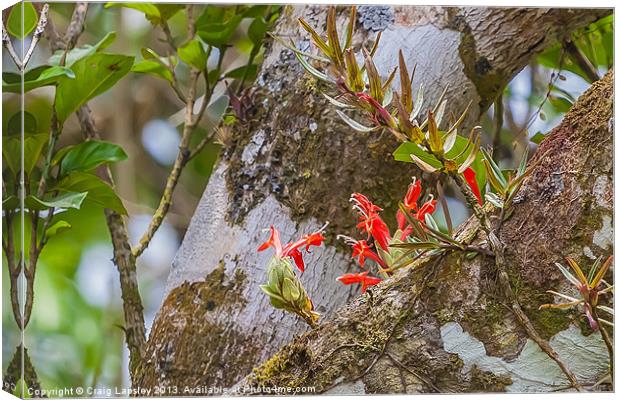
column 484, row 381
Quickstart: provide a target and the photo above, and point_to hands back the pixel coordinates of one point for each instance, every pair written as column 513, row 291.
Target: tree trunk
column 443, row 326
column 294, row 164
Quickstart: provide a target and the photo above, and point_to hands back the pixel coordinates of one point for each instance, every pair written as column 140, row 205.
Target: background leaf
column 93, row 75
column 65, row 200
column 43, row 75
column 99, row 192
column 193, row 53
column 88, row 155
column 84, row 51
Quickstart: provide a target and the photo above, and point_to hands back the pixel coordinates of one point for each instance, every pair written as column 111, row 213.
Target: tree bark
column 443, row 325
column 293, row 165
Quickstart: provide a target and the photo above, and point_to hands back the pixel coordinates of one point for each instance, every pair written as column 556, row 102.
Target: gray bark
column 293, row 164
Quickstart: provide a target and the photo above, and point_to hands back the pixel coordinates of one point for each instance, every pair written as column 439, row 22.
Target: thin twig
column 38, row 32
column 500, row 264
column 6, row 41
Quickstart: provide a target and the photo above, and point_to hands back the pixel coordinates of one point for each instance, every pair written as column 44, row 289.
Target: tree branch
column 584, row 64
column 135, row 332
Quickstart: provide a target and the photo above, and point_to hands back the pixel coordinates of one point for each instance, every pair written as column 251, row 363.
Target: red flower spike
column 361, row 277
column 370, row 221
column 362, row 250
column 470, row 177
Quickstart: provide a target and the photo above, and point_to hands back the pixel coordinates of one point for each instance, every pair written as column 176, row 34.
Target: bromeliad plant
column 360, row 88
column 356, row 88
column 283, row 286
column 590, row 288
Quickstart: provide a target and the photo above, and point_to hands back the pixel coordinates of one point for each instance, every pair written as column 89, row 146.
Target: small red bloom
column 362, row 204
column 362, row 250
column 361, row 277
column 470, row 177
column 413, row 194
column 427, row 208
column 273, row 241
column 292, row 249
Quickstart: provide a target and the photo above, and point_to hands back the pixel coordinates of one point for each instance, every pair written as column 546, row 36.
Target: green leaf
column 194, row 54
column 152, row 68
column 406, row 149
column 237, row 73
column 257, row 30
column 99, row 192
column 10, row 203
column 88, row 155
column 14, row 21
column 218, row 34
column 33, row 146
column 538, row 138
column 84, row 51
column 65, row 200
column 156, row 13
column 56, row 228
column 560, row 104
column 43, row 75
column 14, row 125
column 93, row 75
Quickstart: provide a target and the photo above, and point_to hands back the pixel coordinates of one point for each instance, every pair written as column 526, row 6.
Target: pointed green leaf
column 84, row 51
column 43, row 75
column 65, row 200
column 89, row 155
column 57, row 228
column 192, row 53
column 93, row 75
column 99, row 192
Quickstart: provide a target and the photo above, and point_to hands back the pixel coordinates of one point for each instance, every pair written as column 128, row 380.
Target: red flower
column 361, row 277
column 470, row 177
column 411, row 204
column 427, row 208
column 370, row 221
column 292, row 249
column 413, row 194
column 273, row 241
column 362, row 250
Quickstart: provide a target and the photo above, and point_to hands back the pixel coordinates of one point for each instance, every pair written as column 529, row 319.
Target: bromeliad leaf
column 88, row 155
column 93, row 75
column 43, row 75
column 99, row 192
column 354, row 124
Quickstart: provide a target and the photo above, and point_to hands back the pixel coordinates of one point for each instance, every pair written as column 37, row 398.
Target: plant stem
column 608, row 342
